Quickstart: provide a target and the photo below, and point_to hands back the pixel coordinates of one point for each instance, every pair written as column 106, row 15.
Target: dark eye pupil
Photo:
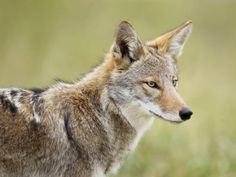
column 174, row 82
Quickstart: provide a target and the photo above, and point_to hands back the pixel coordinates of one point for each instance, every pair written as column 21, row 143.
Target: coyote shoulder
column 87, row 129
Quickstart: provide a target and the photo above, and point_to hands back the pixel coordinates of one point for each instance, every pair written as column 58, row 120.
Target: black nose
column 185, row 113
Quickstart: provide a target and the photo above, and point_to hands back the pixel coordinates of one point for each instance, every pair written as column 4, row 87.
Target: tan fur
column 88, row 128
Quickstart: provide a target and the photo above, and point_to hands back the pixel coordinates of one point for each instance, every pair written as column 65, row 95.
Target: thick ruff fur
column 88, row 128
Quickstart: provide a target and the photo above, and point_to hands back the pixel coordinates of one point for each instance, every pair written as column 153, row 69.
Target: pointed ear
column 127, row 44
column 172, row 43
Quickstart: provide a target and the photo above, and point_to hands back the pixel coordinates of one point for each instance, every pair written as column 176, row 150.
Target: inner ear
column 172, row 42
column 124, row 49
column 127, row 43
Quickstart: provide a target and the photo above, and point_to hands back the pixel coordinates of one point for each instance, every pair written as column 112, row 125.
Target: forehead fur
column 154, row 64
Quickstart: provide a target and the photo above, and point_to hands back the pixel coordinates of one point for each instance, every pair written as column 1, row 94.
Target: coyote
column 88, row 128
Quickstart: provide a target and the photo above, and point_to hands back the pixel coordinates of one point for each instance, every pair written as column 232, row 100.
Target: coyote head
column 146, row 73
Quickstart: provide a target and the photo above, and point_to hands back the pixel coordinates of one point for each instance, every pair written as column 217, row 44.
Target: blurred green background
column 48, row 39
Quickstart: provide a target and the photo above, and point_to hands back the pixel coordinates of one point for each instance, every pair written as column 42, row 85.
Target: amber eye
column 153, row 84
column 174, row 82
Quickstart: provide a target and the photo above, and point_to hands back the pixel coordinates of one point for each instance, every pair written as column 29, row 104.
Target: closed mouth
column 158, row 115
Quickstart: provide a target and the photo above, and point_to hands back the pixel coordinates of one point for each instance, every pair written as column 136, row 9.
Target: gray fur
column 88, row 128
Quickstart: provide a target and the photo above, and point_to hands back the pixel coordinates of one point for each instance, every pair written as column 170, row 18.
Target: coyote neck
column 100, row 75
column 124, row 124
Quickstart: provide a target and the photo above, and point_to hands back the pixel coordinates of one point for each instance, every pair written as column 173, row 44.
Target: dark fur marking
column 67, row 128
column 7, row 104
column 34, row 124
column 13, row 93
column 13, row 108
column 79, row 148
column 35, row 97
column 38, row 106
column 37, row 90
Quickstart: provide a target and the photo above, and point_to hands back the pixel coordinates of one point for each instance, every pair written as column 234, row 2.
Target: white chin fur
column 156, row 110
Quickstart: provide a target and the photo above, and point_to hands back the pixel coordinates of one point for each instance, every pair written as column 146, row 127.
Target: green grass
column 48, row 39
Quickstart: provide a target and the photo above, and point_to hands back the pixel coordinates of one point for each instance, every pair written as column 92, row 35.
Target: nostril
column 185, row 113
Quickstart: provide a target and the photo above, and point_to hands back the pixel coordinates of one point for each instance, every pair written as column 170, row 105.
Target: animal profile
column 89, row 127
